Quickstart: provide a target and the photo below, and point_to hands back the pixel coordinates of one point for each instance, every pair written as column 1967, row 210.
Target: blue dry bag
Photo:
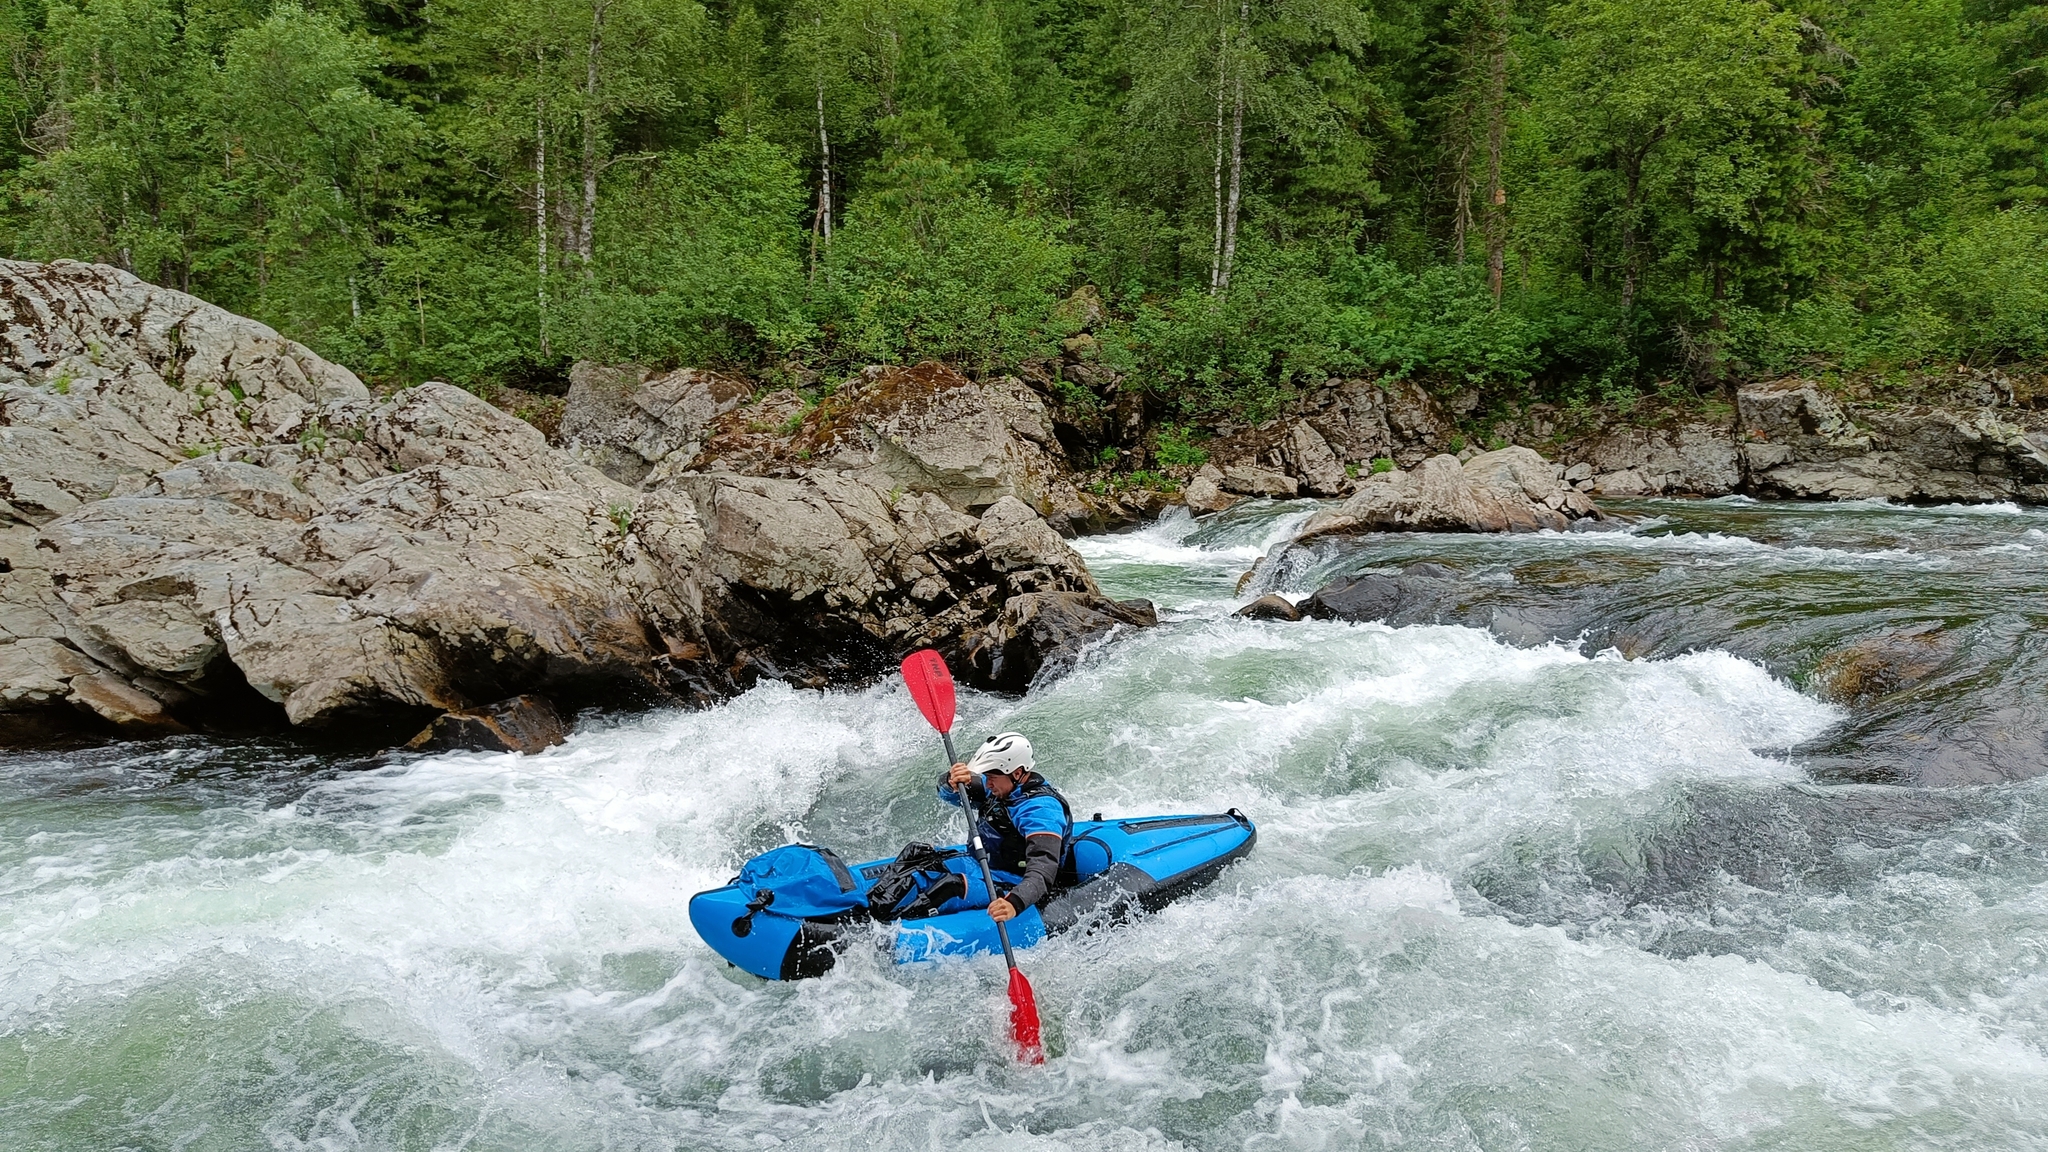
column 806, row 881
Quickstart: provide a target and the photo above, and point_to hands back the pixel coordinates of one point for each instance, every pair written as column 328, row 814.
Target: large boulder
column 1511, row 490
column 319, row 558
column 1798, row 441
column 1249, row 480
column 1205, row 492
column 1041, row 635
column 105, row 379
column 444, row 559
column 106, row 382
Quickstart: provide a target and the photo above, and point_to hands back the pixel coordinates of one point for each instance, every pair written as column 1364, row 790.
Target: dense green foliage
column 1565, row 196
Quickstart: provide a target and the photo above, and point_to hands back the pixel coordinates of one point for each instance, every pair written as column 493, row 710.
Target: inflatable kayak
column 792, row 911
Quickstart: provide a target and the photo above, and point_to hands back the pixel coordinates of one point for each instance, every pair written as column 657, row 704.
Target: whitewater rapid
column 1504, row 897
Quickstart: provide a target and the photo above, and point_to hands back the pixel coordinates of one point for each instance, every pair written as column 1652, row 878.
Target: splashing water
column 1504, row 897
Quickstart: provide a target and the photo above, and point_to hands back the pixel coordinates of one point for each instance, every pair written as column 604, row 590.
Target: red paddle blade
column 931, row 685
column 1024, row 1020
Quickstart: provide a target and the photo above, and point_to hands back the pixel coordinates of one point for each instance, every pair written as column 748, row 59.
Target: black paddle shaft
column 974, row 845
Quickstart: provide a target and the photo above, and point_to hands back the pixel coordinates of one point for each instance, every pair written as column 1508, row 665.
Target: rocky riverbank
column 209, row 527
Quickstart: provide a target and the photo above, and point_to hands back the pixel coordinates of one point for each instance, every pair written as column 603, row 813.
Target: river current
column 1648, row 886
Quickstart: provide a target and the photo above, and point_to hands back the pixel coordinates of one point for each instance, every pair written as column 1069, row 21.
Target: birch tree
column 1241, row 66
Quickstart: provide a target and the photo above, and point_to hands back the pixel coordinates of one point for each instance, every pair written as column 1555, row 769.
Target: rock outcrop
column 325, row 559
column 1040, row 635
column 1688, row 460
column 1798, row 441
column 925, row 428
column 1204, row 493
column 626, row 420
column 1511, row 490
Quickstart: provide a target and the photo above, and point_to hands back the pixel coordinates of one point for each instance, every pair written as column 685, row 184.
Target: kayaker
column 1025, row 824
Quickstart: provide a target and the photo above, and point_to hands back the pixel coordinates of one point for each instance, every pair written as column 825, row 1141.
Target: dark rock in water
column 1957, row 705
column 1271, row 606
column 1419, row 594
column 1041, row 635
column 525, row 724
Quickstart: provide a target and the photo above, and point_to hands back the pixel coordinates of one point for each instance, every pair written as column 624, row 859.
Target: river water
column 1644, row 887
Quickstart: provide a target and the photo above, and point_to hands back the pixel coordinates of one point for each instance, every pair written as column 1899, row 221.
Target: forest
column 1581, row 200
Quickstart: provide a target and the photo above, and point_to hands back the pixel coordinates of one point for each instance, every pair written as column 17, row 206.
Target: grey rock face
column 625, row 421
column 107, row 386
column 1511, row 490
column 1693, row 460
column 1310, row 459
column 1363, row 420
column 105, row 379
column 471, row 560
column 1798, row 442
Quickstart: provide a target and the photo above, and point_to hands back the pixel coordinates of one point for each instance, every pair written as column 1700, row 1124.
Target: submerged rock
column 1511, row 490
column 1882, row 665
column 525, row 724
column 1271, row 606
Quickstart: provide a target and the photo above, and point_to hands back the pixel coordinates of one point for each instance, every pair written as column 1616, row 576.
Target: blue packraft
column 792, row 911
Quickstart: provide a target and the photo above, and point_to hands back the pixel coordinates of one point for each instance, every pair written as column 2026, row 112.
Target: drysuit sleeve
column 1042, row 822
column 1042, row 852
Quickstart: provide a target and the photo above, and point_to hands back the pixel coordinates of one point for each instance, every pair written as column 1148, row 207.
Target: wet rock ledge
column 208, row 527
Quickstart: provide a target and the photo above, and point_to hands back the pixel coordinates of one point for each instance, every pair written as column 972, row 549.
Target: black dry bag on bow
column 914, row 884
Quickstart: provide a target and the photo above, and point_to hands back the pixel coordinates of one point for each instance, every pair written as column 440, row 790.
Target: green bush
column 1173, row 448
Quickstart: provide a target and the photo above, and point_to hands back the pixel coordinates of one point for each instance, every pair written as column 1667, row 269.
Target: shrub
column 1173, row 448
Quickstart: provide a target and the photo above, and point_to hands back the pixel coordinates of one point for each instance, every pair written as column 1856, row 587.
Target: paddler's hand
column 958, row 777
column 1001, row 910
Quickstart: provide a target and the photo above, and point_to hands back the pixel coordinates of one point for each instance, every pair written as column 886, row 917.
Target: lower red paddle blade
column 931, row 685
column 1024, row 1020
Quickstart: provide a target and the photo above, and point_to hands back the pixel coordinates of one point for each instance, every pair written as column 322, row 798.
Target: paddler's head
column 1003, row 760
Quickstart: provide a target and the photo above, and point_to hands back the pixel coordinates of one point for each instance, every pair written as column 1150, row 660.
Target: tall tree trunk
column 1216, row 180
column 1496, row 141
column 1632, row 174
column 821, row 221
column 540, row 193
column 1236, row 184
column 586, row 222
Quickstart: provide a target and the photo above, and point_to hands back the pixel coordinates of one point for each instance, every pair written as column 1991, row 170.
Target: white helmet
column 1003, row 752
